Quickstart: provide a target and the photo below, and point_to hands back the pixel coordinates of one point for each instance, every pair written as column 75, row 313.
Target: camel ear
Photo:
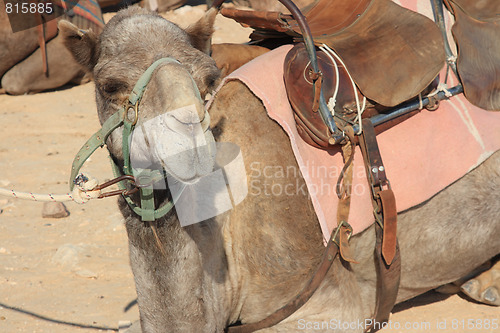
column 83, row 44
column 201, row 32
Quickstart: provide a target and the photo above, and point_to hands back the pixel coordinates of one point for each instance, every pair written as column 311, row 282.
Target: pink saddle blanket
column 422, row 155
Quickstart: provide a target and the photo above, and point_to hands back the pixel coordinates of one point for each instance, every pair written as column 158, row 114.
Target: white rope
column 441, row 87
column 82, row 193
column 325, row 48
column 304, row 73
column 333, row 100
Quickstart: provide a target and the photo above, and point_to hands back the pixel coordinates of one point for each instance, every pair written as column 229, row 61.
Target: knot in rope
column 444, row 88
column 451, row 59
column 85, row 188
column 331, row 103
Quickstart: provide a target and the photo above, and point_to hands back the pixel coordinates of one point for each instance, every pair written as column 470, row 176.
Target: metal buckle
column 381, row 187
column 135, row 109
column 337, row 230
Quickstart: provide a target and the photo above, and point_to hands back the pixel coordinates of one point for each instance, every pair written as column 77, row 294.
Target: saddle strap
column 41, row 42
column 47, row 29
column 344, row 191
column 387, row 256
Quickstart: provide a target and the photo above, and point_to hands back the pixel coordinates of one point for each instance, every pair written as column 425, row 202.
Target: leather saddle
column 477, row 34
column 392, row 53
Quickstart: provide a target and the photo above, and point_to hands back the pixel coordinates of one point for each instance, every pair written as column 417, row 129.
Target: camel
column 21, row 65
column 229, row 57
column 244, row 264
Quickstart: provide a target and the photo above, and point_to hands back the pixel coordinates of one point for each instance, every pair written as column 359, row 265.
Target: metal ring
column 135, row 107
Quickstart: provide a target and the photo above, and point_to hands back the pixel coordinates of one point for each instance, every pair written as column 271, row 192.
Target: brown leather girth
column 387, row 257
column 338, row 241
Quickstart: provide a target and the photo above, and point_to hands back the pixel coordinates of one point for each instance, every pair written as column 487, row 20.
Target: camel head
column 172, row 128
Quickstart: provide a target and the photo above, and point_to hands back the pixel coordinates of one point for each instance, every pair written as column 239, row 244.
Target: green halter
column 127, row 117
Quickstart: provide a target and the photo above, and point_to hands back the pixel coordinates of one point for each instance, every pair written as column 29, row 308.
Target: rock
column 3, row 250
column 67, row 255
column 54, row 210
column 86, row 273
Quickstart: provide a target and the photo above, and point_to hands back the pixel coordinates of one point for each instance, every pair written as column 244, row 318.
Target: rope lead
column 82, row 193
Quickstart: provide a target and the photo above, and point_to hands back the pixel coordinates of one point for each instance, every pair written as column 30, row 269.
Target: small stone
column 86, row 273
column 3, row 250
column 66, row 255
column 54, row 210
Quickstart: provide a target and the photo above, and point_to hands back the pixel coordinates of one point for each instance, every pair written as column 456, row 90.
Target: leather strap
column 387, row 257
column 388, row 277
column 389, row 240
column 47, row 29
column 41, row 42
column 97, row 140
column 344, row 191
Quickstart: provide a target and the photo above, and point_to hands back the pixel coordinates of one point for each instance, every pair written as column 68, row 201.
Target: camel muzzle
column 127, row 117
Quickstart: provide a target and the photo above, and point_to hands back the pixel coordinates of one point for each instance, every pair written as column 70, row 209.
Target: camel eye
column 112, row 87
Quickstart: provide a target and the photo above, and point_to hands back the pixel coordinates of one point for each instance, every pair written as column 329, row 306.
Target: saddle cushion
column 422, row 155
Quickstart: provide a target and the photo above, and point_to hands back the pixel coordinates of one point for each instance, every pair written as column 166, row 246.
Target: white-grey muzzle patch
column 206, row 178
column 177, row 141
